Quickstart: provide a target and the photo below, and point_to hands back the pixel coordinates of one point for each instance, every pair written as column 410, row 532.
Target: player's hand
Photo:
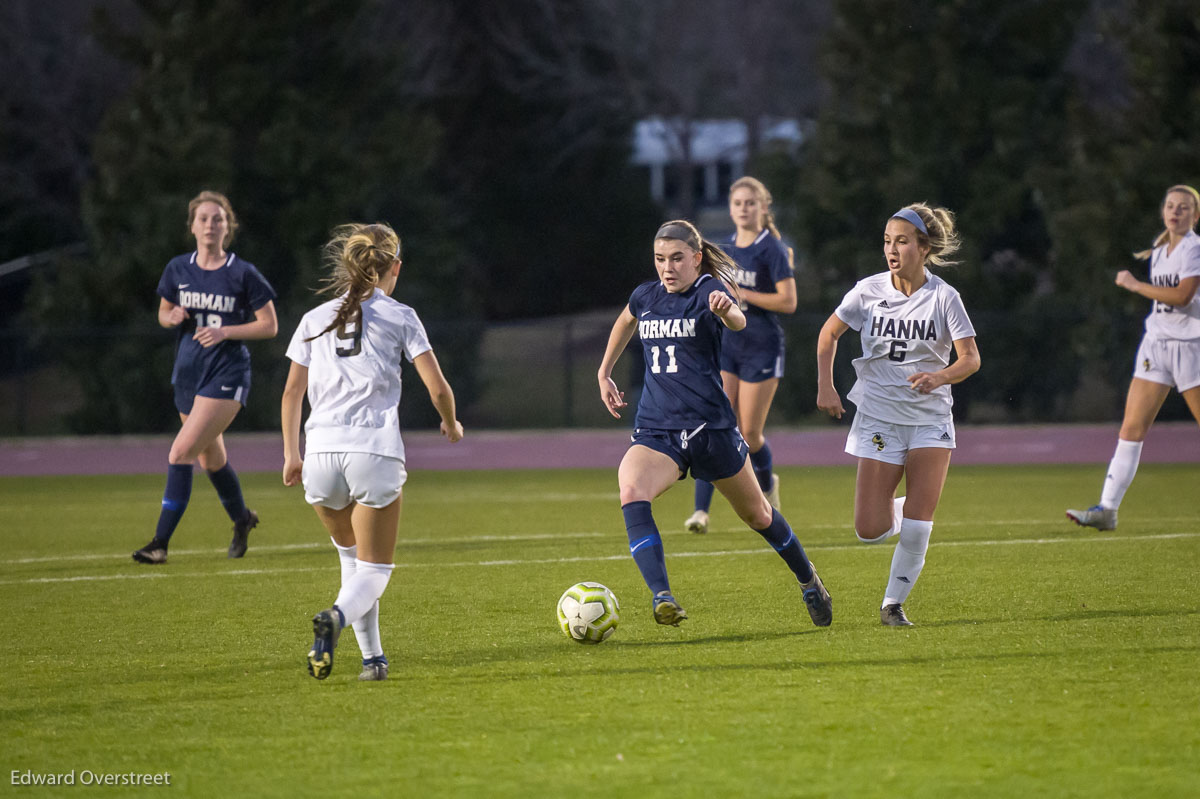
column 292, row 467
column 1126, row 280
column 209, row 336
column 453, row 435
column 829, row 401
column 612, row 398
column 176, row 316
column 719, row 303
column 925, row 382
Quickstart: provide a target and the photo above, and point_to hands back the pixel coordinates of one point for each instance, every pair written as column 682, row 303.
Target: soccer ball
column 588, row 612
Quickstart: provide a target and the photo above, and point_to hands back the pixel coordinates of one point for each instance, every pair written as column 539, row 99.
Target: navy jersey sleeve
column 258, row 291
column 778, row 264
column 168, row 284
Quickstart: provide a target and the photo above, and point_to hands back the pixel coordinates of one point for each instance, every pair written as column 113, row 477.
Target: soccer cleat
column 1096, row 516
column 667, row 610
column 374, row 669
column 327, row 626
column 818, row 601
column 154, row 552
column 893, row 616
column 241, row 532
column 773, row 494
column 697, row 523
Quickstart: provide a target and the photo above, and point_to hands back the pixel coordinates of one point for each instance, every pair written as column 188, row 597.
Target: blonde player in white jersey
column 909, row 320
column 1169, row 354
column 346, row 356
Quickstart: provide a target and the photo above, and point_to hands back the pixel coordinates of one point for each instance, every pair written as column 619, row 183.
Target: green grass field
column 1047, row 660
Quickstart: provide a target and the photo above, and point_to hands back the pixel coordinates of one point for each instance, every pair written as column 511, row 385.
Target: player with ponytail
column 346, row 357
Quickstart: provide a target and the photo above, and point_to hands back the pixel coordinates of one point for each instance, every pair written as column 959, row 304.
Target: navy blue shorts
column 752, row 360
column 710, row 454
column 230, row 383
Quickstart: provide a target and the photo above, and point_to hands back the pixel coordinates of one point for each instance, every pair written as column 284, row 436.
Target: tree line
column 496, row 138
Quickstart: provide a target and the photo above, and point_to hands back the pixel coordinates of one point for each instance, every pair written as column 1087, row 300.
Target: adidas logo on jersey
column 884, row 304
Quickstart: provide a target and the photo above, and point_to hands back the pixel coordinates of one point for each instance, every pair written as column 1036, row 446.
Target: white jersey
column 354, row 375
column 900, row 337
column 1174, row 321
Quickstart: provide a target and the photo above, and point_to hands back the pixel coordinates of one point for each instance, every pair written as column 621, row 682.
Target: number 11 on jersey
column 672, row 366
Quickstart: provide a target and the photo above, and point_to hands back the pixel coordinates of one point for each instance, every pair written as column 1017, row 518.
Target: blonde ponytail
column 357, row 257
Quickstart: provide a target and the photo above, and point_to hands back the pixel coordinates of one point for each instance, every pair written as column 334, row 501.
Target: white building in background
column 717, row 150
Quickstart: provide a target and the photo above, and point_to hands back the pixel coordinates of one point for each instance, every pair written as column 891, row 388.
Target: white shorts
column 883, row 441
column 1168, row 361
column 335, row 479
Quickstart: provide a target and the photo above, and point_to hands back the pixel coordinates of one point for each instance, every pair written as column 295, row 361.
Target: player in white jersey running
column 346, row 356
column 1169, row 354
column 909, row 320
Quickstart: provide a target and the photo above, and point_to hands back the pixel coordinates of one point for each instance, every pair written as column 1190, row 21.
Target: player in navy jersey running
column 346, row 356
column 1169, row 355
column 216, row 301
column 909, row 319
column 684, row 420
column 752, row 358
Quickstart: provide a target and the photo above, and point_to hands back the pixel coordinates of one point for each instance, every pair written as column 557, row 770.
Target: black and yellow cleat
column 667, row 610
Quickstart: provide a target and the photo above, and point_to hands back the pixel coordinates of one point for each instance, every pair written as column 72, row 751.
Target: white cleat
column 697, row 523
column 1096, row 516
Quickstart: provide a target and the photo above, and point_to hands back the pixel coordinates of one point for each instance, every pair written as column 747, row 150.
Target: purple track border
column 1168, row 442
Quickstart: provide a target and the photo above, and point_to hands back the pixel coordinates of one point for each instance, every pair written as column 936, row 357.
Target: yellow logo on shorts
column 877, row 440
column 1146, row 364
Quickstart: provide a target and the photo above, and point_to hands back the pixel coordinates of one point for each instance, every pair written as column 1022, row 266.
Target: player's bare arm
column 725, row 309
column 1168, row 295
column 291, row 408
column 827, row 341
column 966, row 363
column 618, row 339
column 440, row 394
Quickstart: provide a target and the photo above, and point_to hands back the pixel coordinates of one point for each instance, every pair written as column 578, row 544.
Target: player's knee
column 179, row 456
column 632, row 493
column 871, row 536
column 759, row 518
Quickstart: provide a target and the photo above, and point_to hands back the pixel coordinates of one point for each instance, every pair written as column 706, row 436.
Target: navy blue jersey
column 213, row 298
column 681, row 340
column 760, row 266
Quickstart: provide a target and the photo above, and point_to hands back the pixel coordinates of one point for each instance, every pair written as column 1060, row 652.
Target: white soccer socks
column 366, row 629
column 907, row 560
column 363, row 590
column 1121, row 470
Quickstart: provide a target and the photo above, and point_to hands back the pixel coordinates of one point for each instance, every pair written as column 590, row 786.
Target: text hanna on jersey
column 911, row 329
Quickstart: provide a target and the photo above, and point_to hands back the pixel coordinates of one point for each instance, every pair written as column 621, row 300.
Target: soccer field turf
column 1047, row 660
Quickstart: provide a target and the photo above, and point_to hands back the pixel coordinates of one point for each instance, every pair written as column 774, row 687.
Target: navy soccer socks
column 645, row 544
column 175, row 500
column 704, row 495
column 780, row 536
column 229, row 489
column 762, row 463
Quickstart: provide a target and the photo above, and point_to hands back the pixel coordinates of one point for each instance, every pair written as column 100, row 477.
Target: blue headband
column 911, row 216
